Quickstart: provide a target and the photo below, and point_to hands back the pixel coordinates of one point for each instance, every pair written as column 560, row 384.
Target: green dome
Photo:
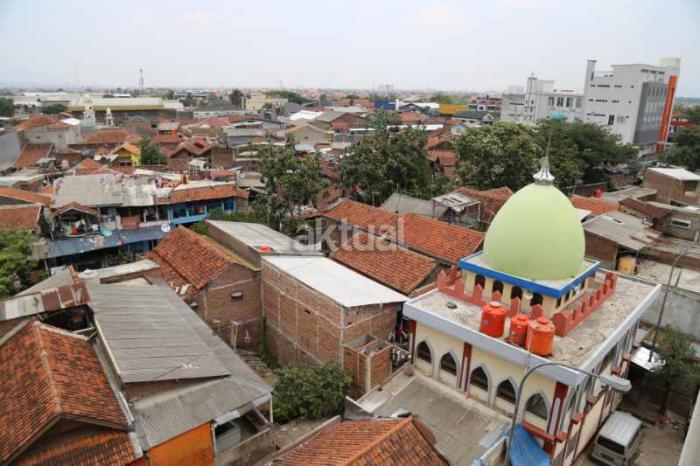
column 536, row 235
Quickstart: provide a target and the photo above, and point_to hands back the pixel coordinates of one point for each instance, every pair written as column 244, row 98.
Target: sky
column 447, row 45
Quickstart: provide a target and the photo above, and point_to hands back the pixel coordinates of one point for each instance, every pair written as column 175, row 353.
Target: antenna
column 141, row 81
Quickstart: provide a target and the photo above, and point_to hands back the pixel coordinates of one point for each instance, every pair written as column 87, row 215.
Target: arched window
column 516, row 292
column 448, row 364
column 506, row 391
column 423, row 353
column 536, row 299
column 497, row 286
column 479, row 379
column 537, row 406
column 480, row 280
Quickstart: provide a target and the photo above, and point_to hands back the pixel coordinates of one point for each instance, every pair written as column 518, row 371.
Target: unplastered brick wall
column 217, row 306
column 305, row 326
column 601, row 249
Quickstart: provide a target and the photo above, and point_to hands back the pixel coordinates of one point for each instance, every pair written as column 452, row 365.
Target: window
column 536, row 405
column 448, row 364
column 423, row 353
column 558, row 301
column 560, row 101
column 550, row 101
column 479, row 379
column 480, row 280
column 569, row 101
column 578, row 102
column 680, row 223
column 497, row 286
column 536, row 299
column 516, row 292
column 506, row 391
column 611, row 120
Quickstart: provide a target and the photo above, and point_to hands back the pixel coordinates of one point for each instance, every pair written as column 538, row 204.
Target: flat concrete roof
column 255, row 235
column 579, row 348
column 687, row 279
column 464, row 428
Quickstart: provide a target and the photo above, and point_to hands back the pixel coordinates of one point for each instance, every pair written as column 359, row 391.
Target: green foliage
column 687, row 149
column 150, row 152
column 677, row 353
column 7, row 107
column 236, row 98
column 503, row 154
column 386, row 162
column 200, row 228
column 15, row 262
column 310, row 393
column 441, row 98
column 170, row 94
column 189, row 100
column 291, row 181
column 289, row 95
column 352, row 96
column 54, row 109
column 693, row 114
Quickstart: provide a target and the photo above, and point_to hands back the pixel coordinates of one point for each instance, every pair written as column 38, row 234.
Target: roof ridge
column 44, row 357
column 379, row 439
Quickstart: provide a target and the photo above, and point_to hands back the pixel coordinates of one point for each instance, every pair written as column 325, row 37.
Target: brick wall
column 305, row 326
column 214, row 303
column 667, row 188
column 179, row 162
column 601, row 249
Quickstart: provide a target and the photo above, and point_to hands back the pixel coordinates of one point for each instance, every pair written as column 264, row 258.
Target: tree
column 54, row 109
column 386, row 162
column 15, row 262
column 310, row 393
column 7, row 107
column 289, row 95
column 687, row 149
column 170, row 94
column 236, row 98
column 677, row 355
column 503, row 154
column 693, row 114
column 291, row 181
column 189, row 100
column 441, row 98
column 150, row 152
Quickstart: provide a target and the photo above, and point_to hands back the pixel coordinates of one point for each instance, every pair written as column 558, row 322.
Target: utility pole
column 141, row 81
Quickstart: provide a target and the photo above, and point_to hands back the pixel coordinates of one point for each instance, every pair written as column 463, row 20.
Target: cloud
column 439, row 15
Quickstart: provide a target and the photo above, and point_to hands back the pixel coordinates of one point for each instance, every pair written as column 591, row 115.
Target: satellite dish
column 165, row 228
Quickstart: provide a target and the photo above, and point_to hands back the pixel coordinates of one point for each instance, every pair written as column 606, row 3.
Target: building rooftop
column 624, row 229
column 25, row 196
column 404, row 204
column 630, row 191
column 20, row 217
column 105, row 190
column 464, row 428
column 593, row 204
column 32, row 153
column 584, row 346
column 255, row 235
column 341, row 284
column 676, row 173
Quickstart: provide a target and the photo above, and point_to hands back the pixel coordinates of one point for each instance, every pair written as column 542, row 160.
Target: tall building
column 541, row 100
column 633, row 101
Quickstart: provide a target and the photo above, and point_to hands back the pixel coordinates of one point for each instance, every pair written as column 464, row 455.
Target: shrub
column 310, row 393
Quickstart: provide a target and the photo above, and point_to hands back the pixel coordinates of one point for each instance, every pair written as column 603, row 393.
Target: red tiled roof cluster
column 130, row 148
column 204, row 193
column 186, row 258
column 491, row 199
column 193, row 148
column 20, row 217
column 107, row 136
column 27, row 196
column 593, row 204
column 104, row 447
column 165, row 139
column 87, row 166
column 385, row 262
column 36, row 122
column 49, row 374
column 31, row 154
column 377, row 442
column 430, row 237
column 75, row 206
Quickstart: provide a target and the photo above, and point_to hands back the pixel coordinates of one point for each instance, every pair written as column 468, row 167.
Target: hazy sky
column 465, row 45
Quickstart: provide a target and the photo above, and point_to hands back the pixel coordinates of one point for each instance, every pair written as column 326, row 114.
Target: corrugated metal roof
column 343, row 285
column 70, row 246
column 162, row 414
column 620, row 427
column 403, row 204
column 625, row 230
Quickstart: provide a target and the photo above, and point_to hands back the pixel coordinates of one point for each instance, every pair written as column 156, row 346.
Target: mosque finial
column 544, row 176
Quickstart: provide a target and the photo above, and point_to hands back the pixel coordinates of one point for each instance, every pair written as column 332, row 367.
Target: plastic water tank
column 493, row 319
column 518, row 329
column 540, row 336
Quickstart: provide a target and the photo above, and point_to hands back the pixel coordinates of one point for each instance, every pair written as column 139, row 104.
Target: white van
column 617, row 441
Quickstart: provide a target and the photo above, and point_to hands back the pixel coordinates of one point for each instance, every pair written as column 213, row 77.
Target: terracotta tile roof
column 646, row 209
column 165, row 139
column 31, row 153
column 385, row 262
column 47, row 190
column 130, row 148
column 194, row 149
column 79, row 448
column 20, row 217
column 27, row 196
column 412, row 117
column 75, row 206
column 49, row 374
column 593, row 204
column 186, row 258
column 376, row 442
column 491, row 199
column 107, row 136
column 206, row 193
column 440, row 239
column 427, row 236
column 446, row 158
column 36, row 122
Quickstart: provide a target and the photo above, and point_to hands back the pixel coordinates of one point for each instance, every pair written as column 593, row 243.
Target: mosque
column 531, row 297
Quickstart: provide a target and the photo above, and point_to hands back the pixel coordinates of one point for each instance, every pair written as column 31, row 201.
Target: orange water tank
column 518, row 329
column 265, row 248
column 493, row 320
column 540, row 336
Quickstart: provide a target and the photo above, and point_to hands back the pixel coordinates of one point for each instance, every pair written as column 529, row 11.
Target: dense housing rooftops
column 677, row 173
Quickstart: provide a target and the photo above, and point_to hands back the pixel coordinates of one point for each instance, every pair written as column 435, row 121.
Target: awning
column 640, row 357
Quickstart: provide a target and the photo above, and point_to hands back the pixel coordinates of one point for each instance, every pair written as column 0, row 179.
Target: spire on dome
column 544, row 176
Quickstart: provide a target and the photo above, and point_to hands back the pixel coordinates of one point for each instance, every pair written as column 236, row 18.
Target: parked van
column 618, row 440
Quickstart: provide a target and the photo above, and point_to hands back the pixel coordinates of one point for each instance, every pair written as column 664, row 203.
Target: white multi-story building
column 633, row 101
column 540, row 101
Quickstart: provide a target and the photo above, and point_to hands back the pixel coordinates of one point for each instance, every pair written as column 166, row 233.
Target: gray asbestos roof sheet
column 255, row 235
